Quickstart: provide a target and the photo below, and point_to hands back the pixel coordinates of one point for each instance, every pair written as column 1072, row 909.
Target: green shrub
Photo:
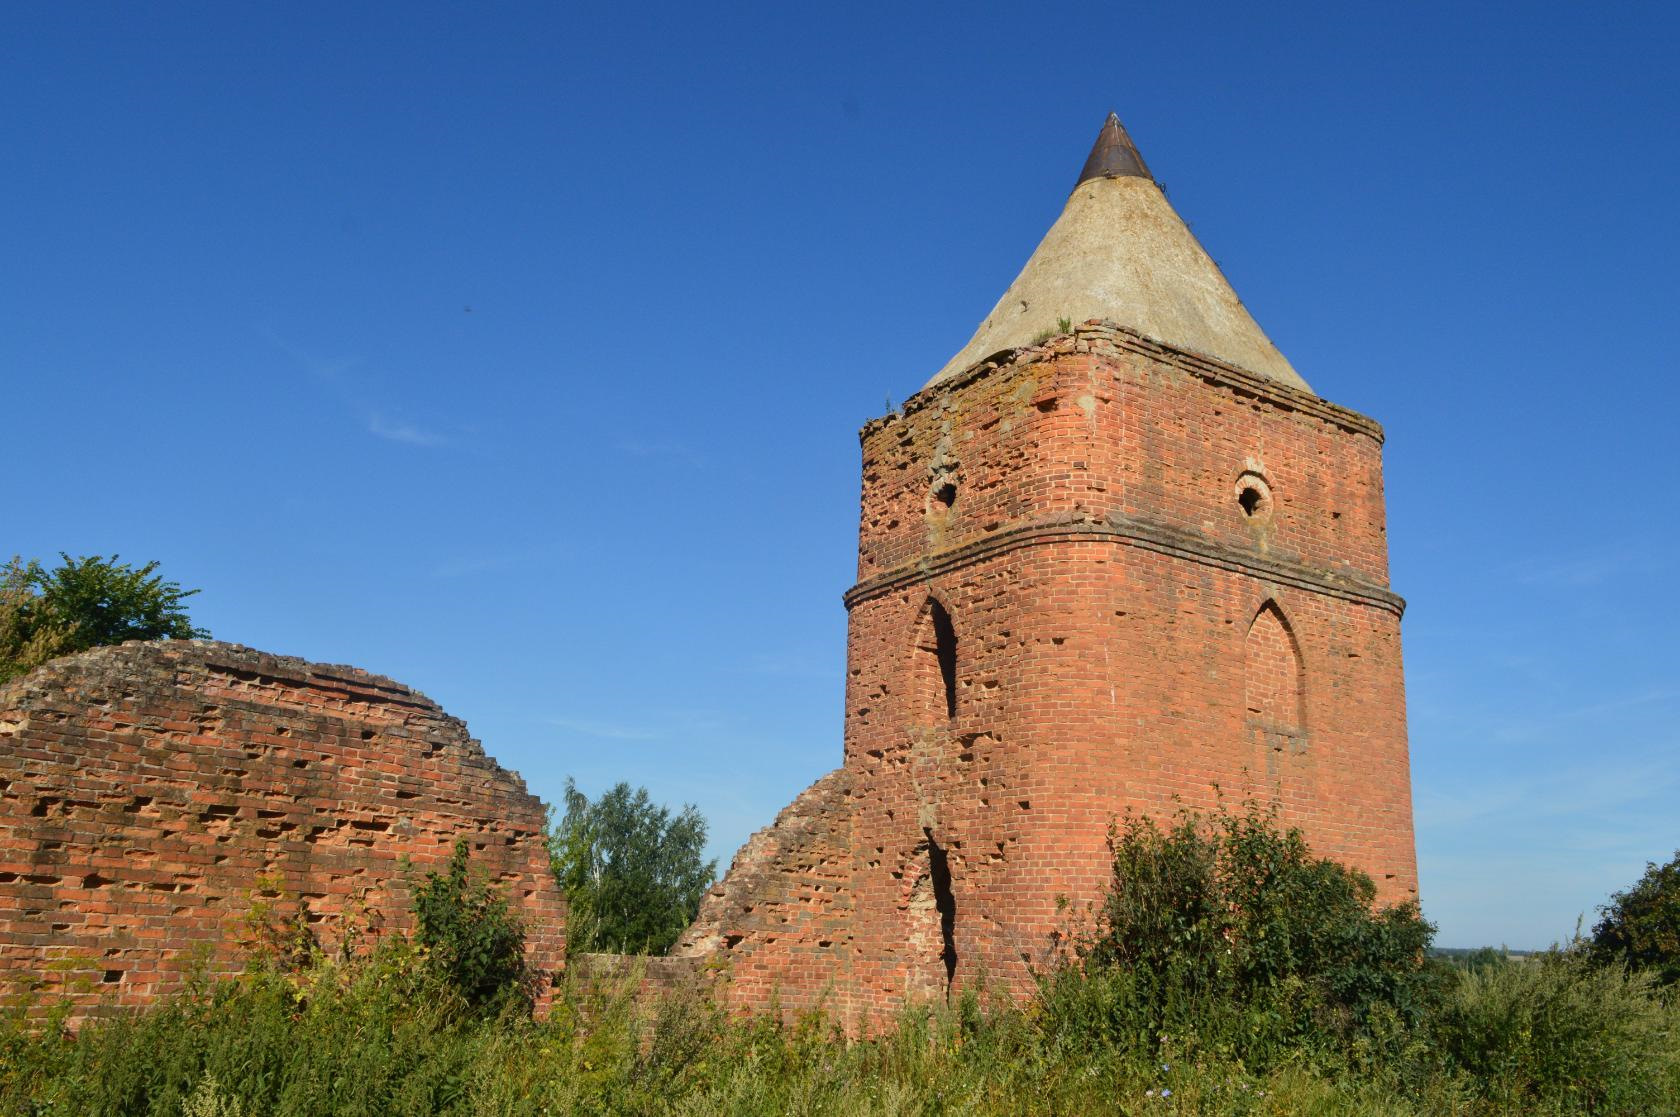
column 384, row 1034
column 1557, row 1034
column 1171, row 1006
column 1641, row 926
column 375, row 1036
column 379, row 1036
column 1226, row 929
column 471, row 938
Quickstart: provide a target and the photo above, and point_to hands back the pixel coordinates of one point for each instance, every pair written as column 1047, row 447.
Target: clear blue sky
column 518, row 352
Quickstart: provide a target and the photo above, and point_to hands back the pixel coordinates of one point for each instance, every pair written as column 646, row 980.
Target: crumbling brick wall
column 153, row 796
column 791, row 883
column 1096, row 576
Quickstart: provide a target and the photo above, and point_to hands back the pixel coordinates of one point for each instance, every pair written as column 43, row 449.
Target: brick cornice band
column 1109, row 339
column 1136, row 533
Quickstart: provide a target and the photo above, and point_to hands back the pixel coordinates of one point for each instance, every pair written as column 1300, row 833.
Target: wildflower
column 1166, row 1093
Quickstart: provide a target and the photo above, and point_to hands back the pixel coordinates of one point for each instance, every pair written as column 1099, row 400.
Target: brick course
column 1068, row 609
column 152, row 794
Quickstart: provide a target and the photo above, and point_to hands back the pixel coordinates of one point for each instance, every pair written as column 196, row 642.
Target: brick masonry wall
column 782, row 917
column 153, row 795
column 1156, row 576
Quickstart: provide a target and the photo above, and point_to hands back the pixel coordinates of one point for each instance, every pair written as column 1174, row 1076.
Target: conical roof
column 1119, row 252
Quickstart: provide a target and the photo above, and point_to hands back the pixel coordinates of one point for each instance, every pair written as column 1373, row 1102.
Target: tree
column 85, row 603
column 632, row 873
column 24, row 643
column 1640, row 927
column 472, row 939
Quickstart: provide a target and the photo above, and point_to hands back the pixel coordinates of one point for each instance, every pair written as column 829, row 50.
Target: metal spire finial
column 1114, row 155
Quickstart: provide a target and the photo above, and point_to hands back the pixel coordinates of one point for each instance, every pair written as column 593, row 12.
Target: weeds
column 1562, row 1035
column 471, row 936
column 383, row 1035
column 1197, row 992
column 1063, row 326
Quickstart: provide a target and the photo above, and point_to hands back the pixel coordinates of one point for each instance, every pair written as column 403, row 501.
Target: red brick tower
column 1115, row 556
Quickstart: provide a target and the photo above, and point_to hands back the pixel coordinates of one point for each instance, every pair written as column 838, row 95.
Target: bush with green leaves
column 632, row 872
column 1640, row 927
column 388, row 1032
column 1558, row 1034
column 380, row 1034
column 84, row 603
column 471, row 938
column 1225, row 927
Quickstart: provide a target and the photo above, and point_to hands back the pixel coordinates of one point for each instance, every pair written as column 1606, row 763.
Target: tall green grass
column 1229, row 972
column 1563, row 1035
column 382, row 1036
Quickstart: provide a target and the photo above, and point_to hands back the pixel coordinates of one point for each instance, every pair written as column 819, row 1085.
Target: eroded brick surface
column 1069, row 609
column 152, row 794
column 793, row 875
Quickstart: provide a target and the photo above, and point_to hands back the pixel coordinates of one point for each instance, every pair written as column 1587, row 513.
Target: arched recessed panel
column 1274, row 679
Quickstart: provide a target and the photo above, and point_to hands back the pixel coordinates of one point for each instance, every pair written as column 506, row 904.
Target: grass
column 383, row 1036
column 1231, row 973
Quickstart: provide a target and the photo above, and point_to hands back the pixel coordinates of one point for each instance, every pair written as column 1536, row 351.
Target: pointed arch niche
column 933, row 668
column 1274, row 681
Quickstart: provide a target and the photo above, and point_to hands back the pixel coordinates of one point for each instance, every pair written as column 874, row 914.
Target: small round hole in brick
column 945, row 494
column 1253, row 496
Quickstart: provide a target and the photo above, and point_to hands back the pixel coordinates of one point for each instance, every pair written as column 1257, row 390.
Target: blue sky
column 518, row 351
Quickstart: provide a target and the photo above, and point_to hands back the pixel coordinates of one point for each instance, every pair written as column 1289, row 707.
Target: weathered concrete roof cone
column 1119, row 252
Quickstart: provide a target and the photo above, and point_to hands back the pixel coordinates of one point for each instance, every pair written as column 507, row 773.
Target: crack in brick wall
column 152, row 794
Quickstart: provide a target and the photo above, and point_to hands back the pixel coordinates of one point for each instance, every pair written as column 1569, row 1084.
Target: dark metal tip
column 1114, row 155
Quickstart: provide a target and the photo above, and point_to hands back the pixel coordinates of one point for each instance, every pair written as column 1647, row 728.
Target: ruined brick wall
column 1095, row 576
column 791, row 885
column 152, row 794
column 650, row 982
